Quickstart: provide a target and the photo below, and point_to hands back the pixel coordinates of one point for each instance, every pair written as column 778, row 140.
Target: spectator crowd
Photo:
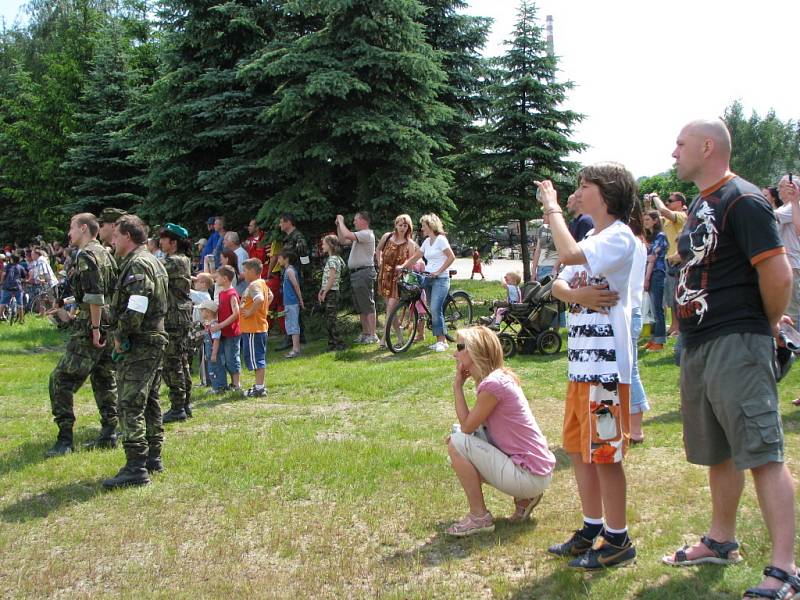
column 725, row 268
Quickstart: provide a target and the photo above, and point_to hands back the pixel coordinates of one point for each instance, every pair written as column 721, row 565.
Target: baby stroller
column 527, row 326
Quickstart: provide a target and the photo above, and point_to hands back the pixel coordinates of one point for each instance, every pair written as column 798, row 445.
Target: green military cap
column 110, row 215
column 176, row 230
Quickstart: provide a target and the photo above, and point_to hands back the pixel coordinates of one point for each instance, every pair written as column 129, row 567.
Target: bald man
column 732, row 291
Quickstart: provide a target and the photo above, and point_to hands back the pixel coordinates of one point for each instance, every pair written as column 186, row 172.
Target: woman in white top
column 639, row 404
column 438, row 258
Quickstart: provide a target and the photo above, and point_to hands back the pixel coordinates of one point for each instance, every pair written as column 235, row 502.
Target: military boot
column 174, row 414
column 106, row 440
column 63, row 444
column 154, row 464
column 188, row 410
column 133, row 473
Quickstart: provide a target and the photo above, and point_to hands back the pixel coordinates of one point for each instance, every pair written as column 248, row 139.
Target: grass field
column 335, row 485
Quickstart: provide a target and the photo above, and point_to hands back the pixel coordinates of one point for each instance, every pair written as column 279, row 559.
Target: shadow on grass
column 443, row 548
column 673, row 416
column 698, row 584
column 563, row 583
column 566, row 583
column 562, row 459
column 24, row 455
column 51, row 500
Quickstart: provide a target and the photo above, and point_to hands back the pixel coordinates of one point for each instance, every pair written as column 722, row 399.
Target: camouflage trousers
column 81, row 360
column 175, row 372
column 331, row 314
column 138, row 379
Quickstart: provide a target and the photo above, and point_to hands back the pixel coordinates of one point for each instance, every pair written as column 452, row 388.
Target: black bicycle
column 405, row 320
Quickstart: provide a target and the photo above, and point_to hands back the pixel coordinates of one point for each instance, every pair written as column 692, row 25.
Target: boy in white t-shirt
column 595, row 285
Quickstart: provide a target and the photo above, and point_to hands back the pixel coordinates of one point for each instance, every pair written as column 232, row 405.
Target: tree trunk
column 524, row 250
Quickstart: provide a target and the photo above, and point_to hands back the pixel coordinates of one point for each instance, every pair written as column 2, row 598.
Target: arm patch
column 138, row 304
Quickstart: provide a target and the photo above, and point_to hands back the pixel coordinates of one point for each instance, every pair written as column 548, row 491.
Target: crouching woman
column 499, row 441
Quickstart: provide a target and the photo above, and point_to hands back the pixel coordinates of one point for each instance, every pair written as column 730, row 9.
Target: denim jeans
column 216, row 370
column 436, row 289
column 638, row 396
column 657, row 299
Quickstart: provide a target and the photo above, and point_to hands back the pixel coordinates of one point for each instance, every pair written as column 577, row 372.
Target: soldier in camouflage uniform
column 175, row 244
column 108, row 217
column 137, row 315
column 295, row 243
column 87, row 354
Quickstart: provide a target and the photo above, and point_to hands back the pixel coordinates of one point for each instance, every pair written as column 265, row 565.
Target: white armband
column 304, row 260
column 138, row 304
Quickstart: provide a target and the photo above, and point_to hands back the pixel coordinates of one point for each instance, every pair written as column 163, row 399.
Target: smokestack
column 549, row 28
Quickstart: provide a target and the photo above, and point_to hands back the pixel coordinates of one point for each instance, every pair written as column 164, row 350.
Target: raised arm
column 569, row 252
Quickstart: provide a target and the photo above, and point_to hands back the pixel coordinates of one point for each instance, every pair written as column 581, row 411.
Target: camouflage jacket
column 296, row 243
column 179, row 300
column 140, row 300
column 92, row 281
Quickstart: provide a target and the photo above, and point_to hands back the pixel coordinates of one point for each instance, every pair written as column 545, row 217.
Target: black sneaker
column 255, row 392
column 604, row 555
column 574, row 546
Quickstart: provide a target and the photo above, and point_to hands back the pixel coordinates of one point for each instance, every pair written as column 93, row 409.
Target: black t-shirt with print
column 730, row 229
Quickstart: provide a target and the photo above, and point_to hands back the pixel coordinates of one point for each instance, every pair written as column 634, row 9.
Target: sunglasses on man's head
column 461, row 347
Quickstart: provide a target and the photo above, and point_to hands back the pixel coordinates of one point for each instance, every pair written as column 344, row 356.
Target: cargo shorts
column 729, row 402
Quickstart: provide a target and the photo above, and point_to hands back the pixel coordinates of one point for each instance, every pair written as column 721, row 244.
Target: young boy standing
column 253, row 324
column 596, row 432
column 208, row 314
column 292, row 300
column 328, row 295
column 228, row 325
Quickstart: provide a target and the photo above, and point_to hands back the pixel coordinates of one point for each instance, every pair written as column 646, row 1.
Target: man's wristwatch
column 95, row 326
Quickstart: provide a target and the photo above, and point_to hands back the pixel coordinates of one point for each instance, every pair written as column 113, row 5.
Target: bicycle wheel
column 457, row 311
column 401, row 327
column 42, row 303
column 13, row 312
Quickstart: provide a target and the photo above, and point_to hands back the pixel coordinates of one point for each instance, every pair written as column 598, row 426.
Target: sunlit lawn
column 335, row 485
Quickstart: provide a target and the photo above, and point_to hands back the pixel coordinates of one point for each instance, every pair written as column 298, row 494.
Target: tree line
column 187, row 108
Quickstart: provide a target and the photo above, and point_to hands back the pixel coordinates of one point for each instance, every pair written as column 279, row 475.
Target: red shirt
column 226, row 311
column 256, row 250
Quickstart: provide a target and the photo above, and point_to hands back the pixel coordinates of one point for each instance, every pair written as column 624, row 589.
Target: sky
column 642, row 69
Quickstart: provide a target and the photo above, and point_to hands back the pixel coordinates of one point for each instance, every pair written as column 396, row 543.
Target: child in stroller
column 527, row 325
column 511, row 282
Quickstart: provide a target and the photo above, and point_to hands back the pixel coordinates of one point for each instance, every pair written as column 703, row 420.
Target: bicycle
column 401, row 324
column 45, row 300
column 13, row 311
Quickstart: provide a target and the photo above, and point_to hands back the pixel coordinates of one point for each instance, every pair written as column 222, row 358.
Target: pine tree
column 356, row 102
column 527, row 137
column 201, row 111
column 459, row 38
column 101, row 162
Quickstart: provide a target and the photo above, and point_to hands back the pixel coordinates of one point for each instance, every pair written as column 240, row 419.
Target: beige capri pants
column 496, row 468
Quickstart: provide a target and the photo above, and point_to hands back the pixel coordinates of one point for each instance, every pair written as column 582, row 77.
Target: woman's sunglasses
column 461, row 347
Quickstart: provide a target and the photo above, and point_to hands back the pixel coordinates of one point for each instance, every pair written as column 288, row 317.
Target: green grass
column 335, row 485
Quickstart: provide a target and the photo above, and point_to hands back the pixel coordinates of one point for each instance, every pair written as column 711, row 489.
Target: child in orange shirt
column 253, row 324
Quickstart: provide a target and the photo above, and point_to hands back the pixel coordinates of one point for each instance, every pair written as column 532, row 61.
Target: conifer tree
column 527, row 137
column 200, row 109
column 356, row 103
column 101, row 162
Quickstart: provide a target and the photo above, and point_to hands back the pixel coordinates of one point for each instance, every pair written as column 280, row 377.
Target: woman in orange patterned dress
column 394, row 249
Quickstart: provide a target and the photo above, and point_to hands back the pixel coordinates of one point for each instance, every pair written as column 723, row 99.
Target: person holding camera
column 673, row 216
column 498, row 441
